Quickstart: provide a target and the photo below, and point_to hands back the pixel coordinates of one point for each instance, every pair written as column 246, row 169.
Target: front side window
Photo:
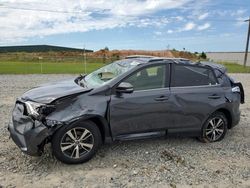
column 148, row 78
column 192, row 76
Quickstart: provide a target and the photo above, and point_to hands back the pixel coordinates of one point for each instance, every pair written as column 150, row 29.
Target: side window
column 192, row 76
column 148, row 78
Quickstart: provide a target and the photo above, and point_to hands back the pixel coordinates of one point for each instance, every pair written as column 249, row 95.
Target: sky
column 196, row 25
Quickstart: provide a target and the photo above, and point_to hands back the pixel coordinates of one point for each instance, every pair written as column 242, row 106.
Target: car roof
column 146, row 59
column 153, row 58
column 150, row 59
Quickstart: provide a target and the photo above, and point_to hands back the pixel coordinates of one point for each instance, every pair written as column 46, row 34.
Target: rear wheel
column 76, row 143
column 215, row 128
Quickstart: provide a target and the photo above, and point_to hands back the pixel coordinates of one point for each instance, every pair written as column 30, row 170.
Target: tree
column 106, row 48
column 104, row 52
column 116, row 56
column 203, row 55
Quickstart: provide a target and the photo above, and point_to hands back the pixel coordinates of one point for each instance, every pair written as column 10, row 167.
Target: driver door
column 147, row 108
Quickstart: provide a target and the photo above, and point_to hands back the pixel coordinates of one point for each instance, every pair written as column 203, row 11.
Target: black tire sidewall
column 56, row 141
column 204, row 138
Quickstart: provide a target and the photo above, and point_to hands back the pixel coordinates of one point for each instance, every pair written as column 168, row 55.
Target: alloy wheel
column 77, row 142
column 215, row 129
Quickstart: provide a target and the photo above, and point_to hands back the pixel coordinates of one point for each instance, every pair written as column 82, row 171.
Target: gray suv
column 136, row 97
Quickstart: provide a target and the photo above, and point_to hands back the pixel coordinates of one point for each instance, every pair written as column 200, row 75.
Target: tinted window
column 148, row 78
column 223, row 79
column 192, row 76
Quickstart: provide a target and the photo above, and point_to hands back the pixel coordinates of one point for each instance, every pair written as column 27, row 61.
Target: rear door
column 195, row 93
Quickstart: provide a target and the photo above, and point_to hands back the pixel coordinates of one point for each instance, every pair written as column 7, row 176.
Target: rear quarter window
column 186, row 75
column 224, row 80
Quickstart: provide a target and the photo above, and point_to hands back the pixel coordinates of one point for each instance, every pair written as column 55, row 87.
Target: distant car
column 136, row 97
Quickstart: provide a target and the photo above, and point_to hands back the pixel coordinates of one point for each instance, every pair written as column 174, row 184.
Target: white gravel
column 160, row 162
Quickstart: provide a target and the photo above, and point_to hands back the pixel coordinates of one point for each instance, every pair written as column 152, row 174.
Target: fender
column 102, row 124
column 81, row 108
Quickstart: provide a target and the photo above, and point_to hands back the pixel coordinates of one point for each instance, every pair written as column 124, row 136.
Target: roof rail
column 177, row 60
column 139, row 56
column 158, row 59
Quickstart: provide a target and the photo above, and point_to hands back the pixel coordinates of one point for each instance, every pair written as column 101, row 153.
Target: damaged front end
column 29, row 129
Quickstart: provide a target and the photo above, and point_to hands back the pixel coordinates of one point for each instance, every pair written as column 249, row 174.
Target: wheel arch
column 228, row 115
column 101, row 123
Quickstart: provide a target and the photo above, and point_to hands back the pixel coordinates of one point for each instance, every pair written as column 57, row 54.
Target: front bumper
column 28, row 134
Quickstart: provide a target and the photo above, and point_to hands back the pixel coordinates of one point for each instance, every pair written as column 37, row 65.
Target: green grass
column 75, row 66
column 235, row 68
column 15, row 67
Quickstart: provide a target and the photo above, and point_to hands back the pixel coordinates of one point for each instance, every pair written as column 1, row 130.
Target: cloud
column 189, row 26
column 20, row 20
column 158, row 33
column 203, row 27
column 238, row 12
column 203, row 16
column 170, row 31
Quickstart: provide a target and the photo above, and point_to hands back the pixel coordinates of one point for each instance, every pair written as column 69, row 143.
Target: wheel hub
column 215, row 129
column 77, row 142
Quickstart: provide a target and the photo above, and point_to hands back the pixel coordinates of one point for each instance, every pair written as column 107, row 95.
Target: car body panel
column 47, row 93
column 25, row 132
column 187, row 100
column 139, row 112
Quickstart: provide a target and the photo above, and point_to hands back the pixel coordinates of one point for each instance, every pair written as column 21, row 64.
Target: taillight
column 236, row 89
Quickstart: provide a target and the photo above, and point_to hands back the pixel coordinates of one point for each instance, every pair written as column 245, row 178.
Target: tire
column 76, row 143
column 215, row 128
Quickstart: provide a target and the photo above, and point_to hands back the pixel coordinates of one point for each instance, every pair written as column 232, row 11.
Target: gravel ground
column 170, row 162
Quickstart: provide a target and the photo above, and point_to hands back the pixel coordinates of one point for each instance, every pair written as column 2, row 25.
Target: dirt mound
column 160, row 53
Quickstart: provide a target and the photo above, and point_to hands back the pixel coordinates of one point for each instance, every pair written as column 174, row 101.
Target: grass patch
column 74, row 66
column 235, row 68
column 16, row 67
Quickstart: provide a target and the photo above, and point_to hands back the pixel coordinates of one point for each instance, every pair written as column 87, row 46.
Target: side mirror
column 124, row 87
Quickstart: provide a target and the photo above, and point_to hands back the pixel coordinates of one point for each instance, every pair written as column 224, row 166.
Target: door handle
column 214, row 96
column 161, row 98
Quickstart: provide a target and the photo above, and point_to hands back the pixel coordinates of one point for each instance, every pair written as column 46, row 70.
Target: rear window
column 186, row 75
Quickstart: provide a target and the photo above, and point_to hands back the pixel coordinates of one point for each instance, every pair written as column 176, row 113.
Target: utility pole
column 248, row 35
column 84, row 59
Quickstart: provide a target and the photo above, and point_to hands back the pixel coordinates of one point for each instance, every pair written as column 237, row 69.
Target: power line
column 41, row 10
column 224, row 20
column 56, row 11
column 233, row 4
column 80, row 12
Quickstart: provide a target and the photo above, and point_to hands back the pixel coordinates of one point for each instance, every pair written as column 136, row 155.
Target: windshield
column 109, row 72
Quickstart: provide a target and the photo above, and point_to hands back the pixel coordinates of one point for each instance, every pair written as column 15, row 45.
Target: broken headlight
column 33, row 108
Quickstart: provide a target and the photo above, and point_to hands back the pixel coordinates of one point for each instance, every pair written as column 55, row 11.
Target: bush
column 203, row 55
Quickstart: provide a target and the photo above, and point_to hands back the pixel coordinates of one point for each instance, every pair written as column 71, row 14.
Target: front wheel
column 215, row 128
column 76, row 143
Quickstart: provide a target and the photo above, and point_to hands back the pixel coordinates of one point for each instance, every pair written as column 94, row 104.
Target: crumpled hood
column 47, row 93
